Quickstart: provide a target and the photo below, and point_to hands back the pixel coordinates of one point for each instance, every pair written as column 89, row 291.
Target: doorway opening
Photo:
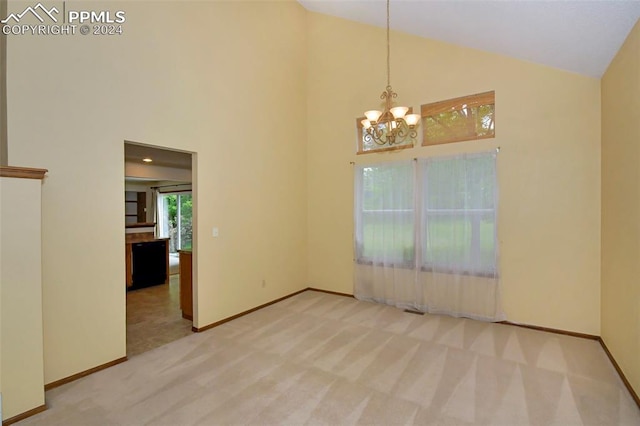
column 159, row 245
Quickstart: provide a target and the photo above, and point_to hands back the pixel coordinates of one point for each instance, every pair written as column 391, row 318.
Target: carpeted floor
column 322, row 359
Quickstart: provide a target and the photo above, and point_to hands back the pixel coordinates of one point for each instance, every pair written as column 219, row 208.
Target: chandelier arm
column 368, row 138
column 377, row 137
column 405, row 133
column 401, row 129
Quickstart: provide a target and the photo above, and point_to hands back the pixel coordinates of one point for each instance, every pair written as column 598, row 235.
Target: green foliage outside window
column 457, row 208
column 185, row 223
column 465, row 124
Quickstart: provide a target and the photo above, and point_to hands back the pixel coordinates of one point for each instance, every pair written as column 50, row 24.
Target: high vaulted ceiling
column 574, row 35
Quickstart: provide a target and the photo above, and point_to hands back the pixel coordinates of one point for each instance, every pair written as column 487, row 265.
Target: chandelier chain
column 388, row 49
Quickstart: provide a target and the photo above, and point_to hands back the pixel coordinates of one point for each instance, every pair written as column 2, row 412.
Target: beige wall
column 21, row 343
column 548, row 125
column 621, row 207
column 224, row 79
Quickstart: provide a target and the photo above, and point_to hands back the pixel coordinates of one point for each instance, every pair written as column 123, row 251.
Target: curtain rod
column 497, row 149
column 170, row 186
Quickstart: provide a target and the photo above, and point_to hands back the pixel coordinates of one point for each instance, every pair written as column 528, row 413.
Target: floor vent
column 410, row 311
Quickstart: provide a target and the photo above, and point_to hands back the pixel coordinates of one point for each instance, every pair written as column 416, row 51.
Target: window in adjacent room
column 175, row 219
column 460, row 119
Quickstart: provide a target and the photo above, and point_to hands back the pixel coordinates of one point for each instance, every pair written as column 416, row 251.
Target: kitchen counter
column 137, row 238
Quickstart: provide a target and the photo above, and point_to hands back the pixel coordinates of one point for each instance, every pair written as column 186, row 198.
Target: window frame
column 456, row 104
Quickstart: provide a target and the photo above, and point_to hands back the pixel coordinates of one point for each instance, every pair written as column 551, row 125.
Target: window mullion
column 417, row 215
column 358, row 213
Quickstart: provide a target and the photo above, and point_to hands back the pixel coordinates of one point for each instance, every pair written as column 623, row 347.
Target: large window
column 435, row 214
column 386, row 217
column 458, row 214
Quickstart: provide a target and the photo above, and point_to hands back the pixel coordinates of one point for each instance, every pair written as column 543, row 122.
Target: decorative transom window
column 460, row 119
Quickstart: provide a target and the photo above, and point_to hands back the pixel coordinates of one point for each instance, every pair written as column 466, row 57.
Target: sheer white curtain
column 385, row 233
column 448, row 262
column 154, row 203
column 162, row 212
column 459, row 261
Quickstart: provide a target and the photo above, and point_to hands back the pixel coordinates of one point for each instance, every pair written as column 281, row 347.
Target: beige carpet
column 323, row 359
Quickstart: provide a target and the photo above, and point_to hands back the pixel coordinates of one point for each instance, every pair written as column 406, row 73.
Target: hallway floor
column 154, row 317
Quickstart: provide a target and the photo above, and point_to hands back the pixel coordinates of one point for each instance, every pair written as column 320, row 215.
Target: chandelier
column 393, row 125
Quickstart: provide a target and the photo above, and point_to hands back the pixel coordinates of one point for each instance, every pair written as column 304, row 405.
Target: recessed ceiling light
column 147, row 160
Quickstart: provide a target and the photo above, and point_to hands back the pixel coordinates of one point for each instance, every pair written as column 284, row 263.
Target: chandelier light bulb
column 399, row 112
column 373, row 115
column 412, row 119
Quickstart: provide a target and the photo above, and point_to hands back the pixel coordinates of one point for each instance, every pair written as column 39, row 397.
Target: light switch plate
column 215, row 232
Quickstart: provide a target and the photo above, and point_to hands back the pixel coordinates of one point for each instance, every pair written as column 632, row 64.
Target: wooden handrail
column 22, row 172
